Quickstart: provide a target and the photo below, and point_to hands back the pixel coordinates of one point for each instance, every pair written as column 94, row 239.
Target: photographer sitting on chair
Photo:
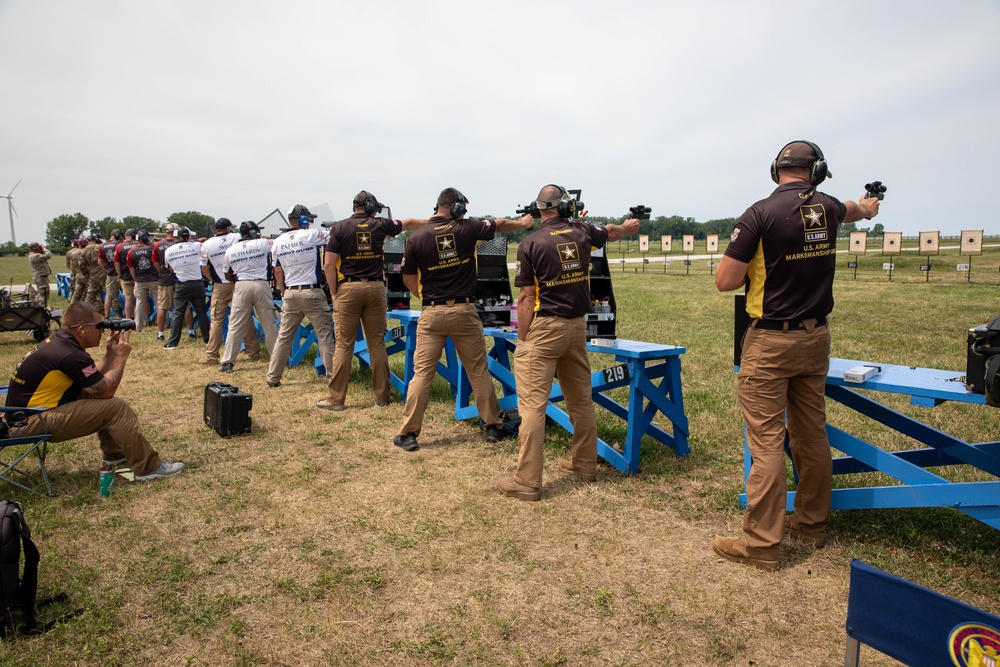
column 79, row 394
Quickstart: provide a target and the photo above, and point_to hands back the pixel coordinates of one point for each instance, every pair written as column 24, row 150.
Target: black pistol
column 875, row 189
column 640, row 212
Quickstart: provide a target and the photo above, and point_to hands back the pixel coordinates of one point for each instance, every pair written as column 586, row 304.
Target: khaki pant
column 436, row 325
column 128, row 290
column 554, row 345
column 359, row 304
column 222, row 296
column 295, row 305
column 143, row 290
column 250, row 296
column 112, row 419
column 783, row 374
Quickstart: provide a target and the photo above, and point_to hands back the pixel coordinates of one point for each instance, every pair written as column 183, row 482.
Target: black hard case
column 227, row 409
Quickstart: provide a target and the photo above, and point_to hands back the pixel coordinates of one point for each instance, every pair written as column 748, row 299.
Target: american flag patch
column 90, row 370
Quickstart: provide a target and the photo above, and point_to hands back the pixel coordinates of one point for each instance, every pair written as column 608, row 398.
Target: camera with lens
column 640, row 212
column 116, row 324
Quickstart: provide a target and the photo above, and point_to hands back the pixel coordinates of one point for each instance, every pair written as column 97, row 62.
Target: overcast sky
column 115, row 108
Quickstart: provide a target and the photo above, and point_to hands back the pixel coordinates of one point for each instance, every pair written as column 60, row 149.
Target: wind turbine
column 11, row 212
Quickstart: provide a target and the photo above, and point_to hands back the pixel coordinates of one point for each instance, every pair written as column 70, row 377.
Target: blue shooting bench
column 639, row 364
column 914, row 625
column 404, row 339
column 917, row 486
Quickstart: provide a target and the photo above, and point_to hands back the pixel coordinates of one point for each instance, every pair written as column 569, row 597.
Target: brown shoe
column 209, row 362
column 327, row 405
column 736, row 551
column 579, row 474
column 812, row 538
column 508, row 487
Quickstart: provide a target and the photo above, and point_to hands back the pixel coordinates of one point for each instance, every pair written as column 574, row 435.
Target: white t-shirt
column 184, row 259
column 248, row 259
column 213, row 252
column 295, row 252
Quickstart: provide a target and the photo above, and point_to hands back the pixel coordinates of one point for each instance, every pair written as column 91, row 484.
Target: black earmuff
column 458, row 209
column 144, row 236
column 818, row 168
column 370, row 204
column 565, row 207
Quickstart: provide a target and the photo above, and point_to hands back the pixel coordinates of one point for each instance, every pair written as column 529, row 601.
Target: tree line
column 61, row 231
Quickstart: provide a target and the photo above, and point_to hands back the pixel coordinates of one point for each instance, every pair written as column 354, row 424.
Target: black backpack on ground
column 17, row 593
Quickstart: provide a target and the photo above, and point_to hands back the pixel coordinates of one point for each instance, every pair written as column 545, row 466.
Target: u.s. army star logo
column 814, row 222
column 364, row 240
column 445, row 245
column 569, row 254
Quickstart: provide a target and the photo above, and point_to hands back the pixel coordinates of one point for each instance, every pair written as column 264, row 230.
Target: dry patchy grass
column 314, row 541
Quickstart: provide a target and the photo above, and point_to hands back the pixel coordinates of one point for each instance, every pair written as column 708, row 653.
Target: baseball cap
column 172, row 227
column 298, row 211
column 800, row 154
column 223, row 223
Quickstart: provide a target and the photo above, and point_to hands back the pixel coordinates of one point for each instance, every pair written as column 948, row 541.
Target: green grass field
column 314, row 541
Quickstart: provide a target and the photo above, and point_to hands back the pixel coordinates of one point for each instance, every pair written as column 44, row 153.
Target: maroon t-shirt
column 358, row 242
column 140, row 258
column 555, row 258
column 167, row 277
column 790, row 242
column 121, row 256
column 442, row 254
column 108, row 256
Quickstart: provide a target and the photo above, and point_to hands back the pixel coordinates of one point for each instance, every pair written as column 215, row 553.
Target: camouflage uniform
column 40, row 272
column 90, row 277
column 72, row 263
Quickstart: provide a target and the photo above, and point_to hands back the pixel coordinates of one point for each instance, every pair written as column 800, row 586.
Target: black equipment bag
column 17, row 592
column 982, row 362
column 227, row 409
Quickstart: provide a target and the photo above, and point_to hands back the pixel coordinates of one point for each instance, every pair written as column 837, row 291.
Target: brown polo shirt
column 790, row 242
column 358, row 243
column 442, row 255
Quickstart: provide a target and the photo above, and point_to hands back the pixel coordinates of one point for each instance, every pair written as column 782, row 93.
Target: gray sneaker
column 165, row 469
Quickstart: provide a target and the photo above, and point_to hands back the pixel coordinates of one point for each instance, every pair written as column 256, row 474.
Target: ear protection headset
column 369, row 202
column 818, row 168
column 184, row 234
column 144, row 236
column 565, row 207
column 304, row 221
column 249, row 229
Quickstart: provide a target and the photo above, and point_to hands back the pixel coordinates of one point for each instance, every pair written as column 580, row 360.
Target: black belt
column 785, row 325
column 301, row 287
column 446, row 302
column 355, row 279
column 545, row 313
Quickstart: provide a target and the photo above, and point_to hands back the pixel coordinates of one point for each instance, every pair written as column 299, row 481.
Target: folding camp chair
column 18, row 449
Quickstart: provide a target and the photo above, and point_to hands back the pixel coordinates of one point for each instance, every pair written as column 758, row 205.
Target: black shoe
column 272, row 385
column 495, row 434
column 408, row 442
column 225, row 368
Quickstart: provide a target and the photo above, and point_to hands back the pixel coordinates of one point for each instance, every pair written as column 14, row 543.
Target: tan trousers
column 295, row 306
column 783, row 374
column 436, row 324
column 112, row 419
column 222, row 296
column 359, row 304
column 143, row 290
column 554, row 345
column 250, row 296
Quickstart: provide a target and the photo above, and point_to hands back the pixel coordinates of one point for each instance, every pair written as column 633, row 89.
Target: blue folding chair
column 19, row 449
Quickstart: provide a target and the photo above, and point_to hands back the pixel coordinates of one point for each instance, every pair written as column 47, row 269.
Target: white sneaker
column 165, row 469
